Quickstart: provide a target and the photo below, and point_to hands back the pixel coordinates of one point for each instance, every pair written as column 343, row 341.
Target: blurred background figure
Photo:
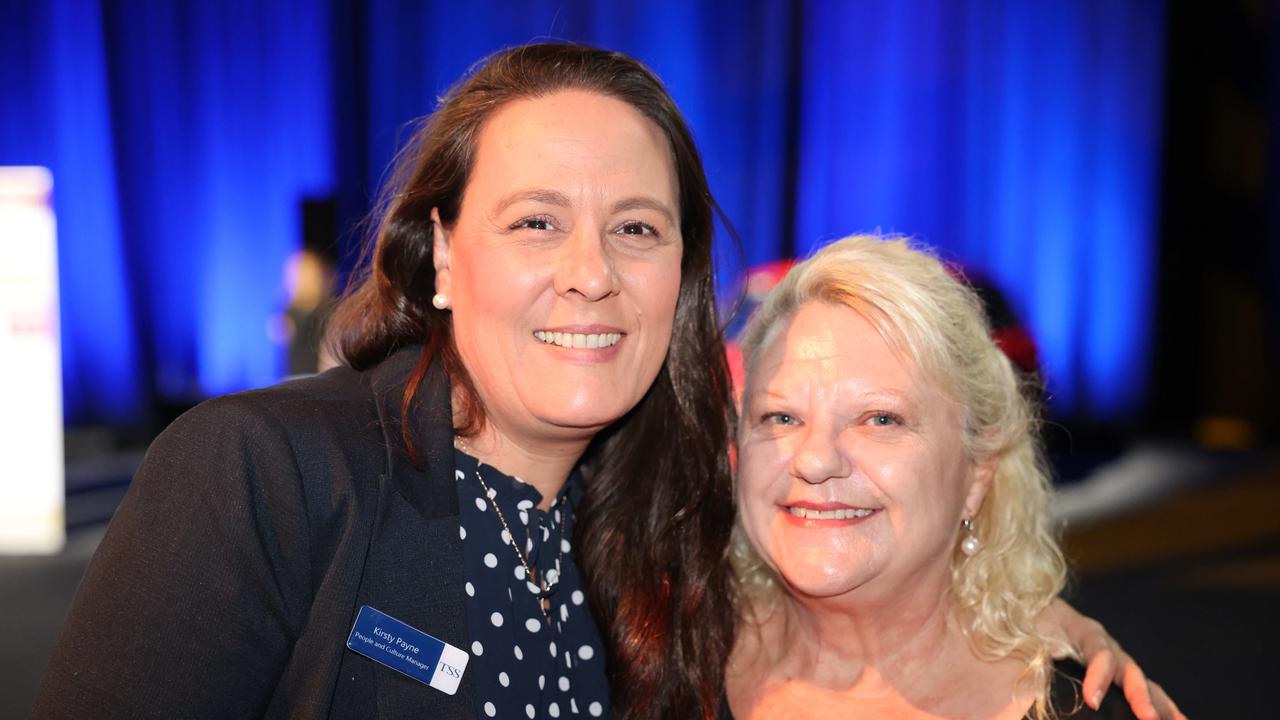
column 310, row 280
column 1110, row 168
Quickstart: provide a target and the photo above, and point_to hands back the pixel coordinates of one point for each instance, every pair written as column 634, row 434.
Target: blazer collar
column 431, row 489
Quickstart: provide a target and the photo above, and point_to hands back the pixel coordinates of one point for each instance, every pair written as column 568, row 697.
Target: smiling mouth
column 589, row 341
column 837, row 514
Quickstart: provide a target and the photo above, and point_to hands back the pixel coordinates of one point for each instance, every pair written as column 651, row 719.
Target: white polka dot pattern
column 503, row 602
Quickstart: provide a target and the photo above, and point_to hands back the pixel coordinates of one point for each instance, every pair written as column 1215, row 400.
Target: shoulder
column 333, row 409
column 241, row 518
column 337, row 397
column 1064, row 690
column 309, row 437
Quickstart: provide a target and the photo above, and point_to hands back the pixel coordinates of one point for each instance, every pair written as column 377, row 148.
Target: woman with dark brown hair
column 520, row 472
column 533, row 383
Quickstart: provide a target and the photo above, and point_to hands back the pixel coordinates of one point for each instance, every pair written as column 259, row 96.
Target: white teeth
column 839, row 514
column 579, row 340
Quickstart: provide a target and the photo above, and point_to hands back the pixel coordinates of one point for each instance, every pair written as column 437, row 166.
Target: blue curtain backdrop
column 1020, row 138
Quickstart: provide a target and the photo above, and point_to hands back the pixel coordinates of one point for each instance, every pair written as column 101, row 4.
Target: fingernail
column 1097, row 699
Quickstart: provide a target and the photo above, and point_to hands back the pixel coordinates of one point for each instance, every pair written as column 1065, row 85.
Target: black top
column 521, row 665
column 1065, row 693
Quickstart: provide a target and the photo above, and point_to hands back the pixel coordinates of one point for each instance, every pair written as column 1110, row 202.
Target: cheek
column 655, row 285
column 926, row 502
column 496, row 281
column 761, row 483
column 491, row 295
column 654, row 291
column 669, row 295
column 479, row 330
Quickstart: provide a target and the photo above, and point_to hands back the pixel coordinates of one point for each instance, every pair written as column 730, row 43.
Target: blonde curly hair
column 925, row 312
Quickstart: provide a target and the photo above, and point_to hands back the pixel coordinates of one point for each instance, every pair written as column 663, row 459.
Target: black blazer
column 257, row 526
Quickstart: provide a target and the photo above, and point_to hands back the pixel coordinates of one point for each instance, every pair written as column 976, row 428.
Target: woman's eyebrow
column 644, row 202
column 539, row 195
column 766, row 393
column 884, row 393
column 889, row 398
column 559, row 199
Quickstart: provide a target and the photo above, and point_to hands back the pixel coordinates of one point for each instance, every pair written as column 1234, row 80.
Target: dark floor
column 1186, row 575
column 35, row 593
column 1191, row 586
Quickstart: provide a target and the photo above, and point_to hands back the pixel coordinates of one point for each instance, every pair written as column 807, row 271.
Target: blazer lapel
column 429, row 487
column 414, row 569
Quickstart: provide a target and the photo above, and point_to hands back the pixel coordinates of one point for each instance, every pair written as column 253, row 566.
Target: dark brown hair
column 653, row 530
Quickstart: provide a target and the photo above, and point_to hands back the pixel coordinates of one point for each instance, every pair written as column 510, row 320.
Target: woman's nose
column 585, row 267
column 819, row 456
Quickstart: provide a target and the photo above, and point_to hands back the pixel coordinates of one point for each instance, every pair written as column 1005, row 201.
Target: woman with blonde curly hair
column 894, row 546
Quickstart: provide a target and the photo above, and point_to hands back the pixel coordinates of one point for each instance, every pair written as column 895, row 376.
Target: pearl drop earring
column 969, row 545
column 440, row 301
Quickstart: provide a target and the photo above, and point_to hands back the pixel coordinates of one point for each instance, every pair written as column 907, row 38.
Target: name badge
column 386, row 640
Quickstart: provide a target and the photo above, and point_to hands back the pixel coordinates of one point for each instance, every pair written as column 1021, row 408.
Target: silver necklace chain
column 544, row 604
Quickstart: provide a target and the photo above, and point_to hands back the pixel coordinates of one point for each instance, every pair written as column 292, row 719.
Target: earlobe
column 440, row 255
column 983, row 474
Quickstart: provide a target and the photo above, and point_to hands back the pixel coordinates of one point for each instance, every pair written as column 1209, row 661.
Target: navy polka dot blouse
column 523, row 666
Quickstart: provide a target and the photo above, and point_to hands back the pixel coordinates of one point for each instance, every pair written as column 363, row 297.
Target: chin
column 821, row 582
column 822, row 572
column 593, row 419
column 581, row 405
